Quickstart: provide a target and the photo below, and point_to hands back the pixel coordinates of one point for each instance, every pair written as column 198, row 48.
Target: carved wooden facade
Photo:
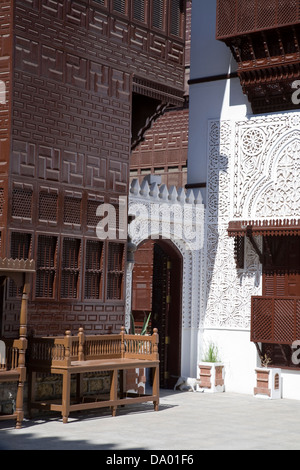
column 74, row 72
column 264, row 36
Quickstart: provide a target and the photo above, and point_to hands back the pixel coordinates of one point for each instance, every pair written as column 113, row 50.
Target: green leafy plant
column 145, row 325
column 211, row 354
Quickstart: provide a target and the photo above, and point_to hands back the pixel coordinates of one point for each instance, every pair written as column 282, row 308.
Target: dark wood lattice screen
column 115, row 271
column 22, row 203
column 239, row 251
column 158, row 14
column 275, row 320
column 72, row 210
column 237, row 17
column 2, row 201
column 70, row 268
column 93, row 269
column 175, row 19
column 92, row 219
column 139, row 10
column 48, row 206
column 46, row 266
column 20, row 247
column 119, row 6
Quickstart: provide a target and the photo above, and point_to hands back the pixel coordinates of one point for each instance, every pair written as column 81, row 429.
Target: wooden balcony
column 264, row 37
column 275, row 320
column 240, row 17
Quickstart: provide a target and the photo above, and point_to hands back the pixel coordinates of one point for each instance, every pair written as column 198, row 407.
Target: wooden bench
column 81, row 354
column 13, row 370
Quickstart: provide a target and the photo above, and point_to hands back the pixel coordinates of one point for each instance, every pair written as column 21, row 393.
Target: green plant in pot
column 212, row 372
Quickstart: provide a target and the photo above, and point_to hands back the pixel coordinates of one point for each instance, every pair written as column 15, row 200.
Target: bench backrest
column 9, row 353
column 62, row 351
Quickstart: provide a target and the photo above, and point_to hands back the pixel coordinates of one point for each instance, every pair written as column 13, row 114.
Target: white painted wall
column 238, row 355
column 217, row 99
column 221, row 100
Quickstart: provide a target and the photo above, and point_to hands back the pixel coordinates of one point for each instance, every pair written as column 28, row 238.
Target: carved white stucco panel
column 253, row 173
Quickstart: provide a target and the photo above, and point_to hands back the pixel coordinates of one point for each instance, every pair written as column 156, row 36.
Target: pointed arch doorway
column 157, row 288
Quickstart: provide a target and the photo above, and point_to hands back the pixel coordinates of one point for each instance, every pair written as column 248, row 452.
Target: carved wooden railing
column 62, row 351
column 275, row 320
column 11, row 352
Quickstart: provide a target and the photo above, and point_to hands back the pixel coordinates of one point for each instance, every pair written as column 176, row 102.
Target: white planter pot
column 212, row 376
column 268, row 383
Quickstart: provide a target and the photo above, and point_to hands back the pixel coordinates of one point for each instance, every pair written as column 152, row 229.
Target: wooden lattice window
column 93, row 269
column 158, row 14
column 2, row 201
column 239, row 252
column 175, row 17
column 20, row 247
column 115, row 271
column 70, row 267
column 46, row 266
column 139, row 10
column 92, row 218
column 22, row 203
column 72, row 210
column 48, row 206
column 120, row 6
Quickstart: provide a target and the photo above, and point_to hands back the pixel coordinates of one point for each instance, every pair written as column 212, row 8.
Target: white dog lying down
column 186, row 383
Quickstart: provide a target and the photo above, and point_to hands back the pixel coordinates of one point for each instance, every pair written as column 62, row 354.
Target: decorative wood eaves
column 268, row 62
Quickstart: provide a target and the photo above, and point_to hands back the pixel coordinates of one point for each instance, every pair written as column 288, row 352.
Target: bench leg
column 79, row 387
column 31, row 391
column 155, row 387
column 66, row 391
column 114, row 391
column 19, row 405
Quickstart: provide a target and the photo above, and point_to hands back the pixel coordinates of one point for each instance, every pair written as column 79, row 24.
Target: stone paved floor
column 186, row 421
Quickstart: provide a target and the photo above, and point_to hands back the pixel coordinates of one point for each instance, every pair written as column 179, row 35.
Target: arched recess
column 156, row 290
column 187, row 257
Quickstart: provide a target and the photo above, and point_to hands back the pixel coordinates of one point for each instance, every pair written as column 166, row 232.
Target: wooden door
column 166, row 310
column 142, row 283
column 281, row 270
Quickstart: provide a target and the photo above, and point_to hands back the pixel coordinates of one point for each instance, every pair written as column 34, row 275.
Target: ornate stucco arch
column 278, row 196
column 178, row 216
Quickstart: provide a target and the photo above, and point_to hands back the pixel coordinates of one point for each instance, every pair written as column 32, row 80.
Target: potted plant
column 212, row 371
column 136, row 378
column 268, row 380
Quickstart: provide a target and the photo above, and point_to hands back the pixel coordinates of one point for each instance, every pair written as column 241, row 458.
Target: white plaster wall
column 222, row 100
column 208, row 56
column 238, row 355
column 290, row 384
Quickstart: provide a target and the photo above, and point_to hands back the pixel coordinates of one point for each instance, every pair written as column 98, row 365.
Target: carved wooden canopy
column 264, row 37
column 264, row 227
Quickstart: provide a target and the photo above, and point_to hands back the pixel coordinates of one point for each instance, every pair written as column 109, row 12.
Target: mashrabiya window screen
column 120, row 6
column 115, row 271
column 158, row 14
column 175, row 20
column 93, row 269
column 20, row 247
column 70, row 268
column 139, row 10
column 46, row 266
